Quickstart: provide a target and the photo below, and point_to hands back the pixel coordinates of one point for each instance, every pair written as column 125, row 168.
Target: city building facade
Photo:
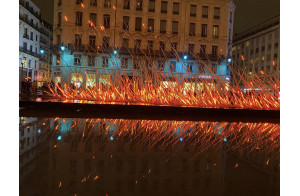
column 29, row 40
column 46, row 40
column 256, row 51
column 93, row 39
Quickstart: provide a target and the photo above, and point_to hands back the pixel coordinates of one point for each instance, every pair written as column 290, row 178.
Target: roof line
column 258, row 25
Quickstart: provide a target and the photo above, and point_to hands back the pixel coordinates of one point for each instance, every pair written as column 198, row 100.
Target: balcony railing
column 22, row 49
column 36, row 27
column 30, row 9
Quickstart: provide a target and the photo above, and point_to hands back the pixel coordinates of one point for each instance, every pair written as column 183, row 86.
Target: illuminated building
column 45, row 51
column 29, row 40
column 257, row 50
column 95, row 38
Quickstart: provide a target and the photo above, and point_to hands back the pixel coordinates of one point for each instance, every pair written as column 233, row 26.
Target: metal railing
column 30, row 9
column 36, row 27
column 22, row 49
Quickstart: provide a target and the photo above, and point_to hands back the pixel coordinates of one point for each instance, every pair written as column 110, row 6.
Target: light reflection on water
column 145, row 157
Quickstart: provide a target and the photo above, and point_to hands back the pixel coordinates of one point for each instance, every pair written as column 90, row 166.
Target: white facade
column 29, row 40
column 257, row 50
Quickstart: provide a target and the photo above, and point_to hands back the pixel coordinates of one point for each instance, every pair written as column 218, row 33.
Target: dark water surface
column 140, row 157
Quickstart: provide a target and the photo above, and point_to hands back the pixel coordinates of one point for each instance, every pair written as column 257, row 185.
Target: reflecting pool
column 109, row 157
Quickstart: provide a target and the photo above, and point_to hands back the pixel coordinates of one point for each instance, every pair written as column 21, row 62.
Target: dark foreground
column 118, row 111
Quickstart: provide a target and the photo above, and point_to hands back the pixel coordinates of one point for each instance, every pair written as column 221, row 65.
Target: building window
column 106, row 22
column 257, row 50
column 93, row 3
column 107, row 3
column 162, row 46
column 36, row 37
column 173, row 48
column 126, row 23
column 137, row 45
column 175, row 27
column 91, row 60
column 150, row 25
column 190, row 66
column 191, row 48
column 204, row 30
column 93, row 20
column 173, row 66
column 78, row 21
column 204, row 11
column 176, row 8
column 192, row 29
column 151, row 6
column 193, row 10
column 202, row 50
column 138, row 24
column 58, row 39
column 263, row 48
column 25, row 33
column 214, row 50
column 92, row 41
column 269, row 46
column 136, row 63
column 126, row 4
column 276, row 45
column 77, row 40
column 164, row 7
column 161, row 65
column 59, row 3
column 31, row 36
column 163, row 26
column 124, row 63
column 216, row 31
column 79, row 1
column 104, row 62
column 59, row 19
column 150, row 45
column 105, row 43
column 139, row 5
column 125, row 43
column 24, row 45
column 217, row 13
column 77, row 59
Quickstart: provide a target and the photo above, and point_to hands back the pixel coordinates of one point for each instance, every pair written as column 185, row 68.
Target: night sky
column 248, row 13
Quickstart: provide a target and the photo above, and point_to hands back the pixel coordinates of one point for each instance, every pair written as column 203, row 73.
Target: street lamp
column 62, row 48
column 185, row 57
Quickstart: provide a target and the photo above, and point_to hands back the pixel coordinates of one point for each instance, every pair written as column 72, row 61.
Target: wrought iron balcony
column 22, row 49
column 24, row 19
